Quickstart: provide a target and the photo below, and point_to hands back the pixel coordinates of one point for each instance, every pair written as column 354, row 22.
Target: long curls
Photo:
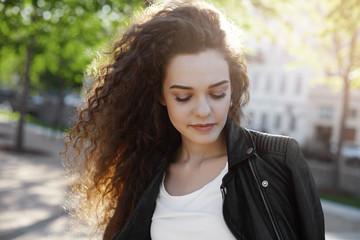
column 123, row 131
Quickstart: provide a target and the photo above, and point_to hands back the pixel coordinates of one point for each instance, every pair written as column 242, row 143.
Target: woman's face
column 197, row 94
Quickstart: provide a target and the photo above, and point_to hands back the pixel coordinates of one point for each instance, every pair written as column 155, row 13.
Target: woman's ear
column 162, row 100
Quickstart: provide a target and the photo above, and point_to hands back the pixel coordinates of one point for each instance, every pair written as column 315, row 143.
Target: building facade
column 278, row 94
column 283, row 102
column 324, row 117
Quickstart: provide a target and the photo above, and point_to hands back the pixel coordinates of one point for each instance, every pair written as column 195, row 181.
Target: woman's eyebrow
column 219, row 83
column 181, row 87
column 190, row 88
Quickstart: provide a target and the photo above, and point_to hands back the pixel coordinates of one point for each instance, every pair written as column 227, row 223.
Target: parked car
column 351, row 155
column 33, row 104
column 6, row 95
column 318, row 151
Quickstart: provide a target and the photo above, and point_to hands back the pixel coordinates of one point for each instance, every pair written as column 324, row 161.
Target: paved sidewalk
column 341, row 222
column 33, row 186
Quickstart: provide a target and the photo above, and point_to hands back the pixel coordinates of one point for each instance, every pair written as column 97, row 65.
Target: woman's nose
column 202, row 108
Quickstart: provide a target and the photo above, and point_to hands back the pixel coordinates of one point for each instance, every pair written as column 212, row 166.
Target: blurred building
column 324, row 116
column 279, row 95
column 283, row 102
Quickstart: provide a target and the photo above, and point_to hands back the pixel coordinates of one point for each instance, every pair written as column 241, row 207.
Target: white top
column 197, row 215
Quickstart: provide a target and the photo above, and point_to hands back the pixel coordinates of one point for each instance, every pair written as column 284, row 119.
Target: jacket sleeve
column 310, row 215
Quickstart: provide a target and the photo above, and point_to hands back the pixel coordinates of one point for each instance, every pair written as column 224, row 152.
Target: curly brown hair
column 122, row 131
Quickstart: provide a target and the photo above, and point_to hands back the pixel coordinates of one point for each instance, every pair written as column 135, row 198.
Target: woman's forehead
column 208, row 67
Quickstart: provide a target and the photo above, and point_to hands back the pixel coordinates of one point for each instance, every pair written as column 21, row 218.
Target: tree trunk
column 57, row 120
column 24, row 96
column 338, row 156
column 345, row 109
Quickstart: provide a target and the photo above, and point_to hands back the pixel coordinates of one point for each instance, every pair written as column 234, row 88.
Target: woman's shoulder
column 284, row 148
column 272, row 143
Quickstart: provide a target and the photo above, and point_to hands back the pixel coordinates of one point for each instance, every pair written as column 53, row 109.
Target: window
column 268, row 84
column 292, row 123
column 323, row 134
column 349, row 134
column 283, row 84
column 352, row 113
column 298, row 85
column 263, row 122
column 278, row 122
column 326, row 112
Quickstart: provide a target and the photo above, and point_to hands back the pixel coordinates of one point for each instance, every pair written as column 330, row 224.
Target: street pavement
column 33, row 187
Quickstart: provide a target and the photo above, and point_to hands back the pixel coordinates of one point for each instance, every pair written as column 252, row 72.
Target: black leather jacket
column 268, row 193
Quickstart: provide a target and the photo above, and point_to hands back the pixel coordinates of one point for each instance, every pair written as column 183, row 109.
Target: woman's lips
column 203, row 127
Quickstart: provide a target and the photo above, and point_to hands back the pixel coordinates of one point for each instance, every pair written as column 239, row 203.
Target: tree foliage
column 65, row 34
column 44, row 43
column 325, row 35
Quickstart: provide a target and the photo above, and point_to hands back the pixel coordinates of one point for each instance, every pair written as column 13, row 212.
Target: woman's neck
column 197, row 153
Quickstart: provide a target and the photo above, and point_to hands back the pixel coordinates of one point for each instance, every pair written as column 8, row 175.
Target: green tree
column 54, row 38
column 340, row 40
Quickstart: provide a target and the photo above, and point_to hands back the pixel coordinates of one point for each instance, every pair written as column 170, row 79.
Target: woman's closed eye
column 182, row 99
column 213, row 95
column 218, row 95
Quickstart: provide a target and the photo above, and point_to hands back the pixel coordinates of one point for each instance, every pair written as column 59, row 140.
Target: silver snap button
column 249, row 151
column 265, row 183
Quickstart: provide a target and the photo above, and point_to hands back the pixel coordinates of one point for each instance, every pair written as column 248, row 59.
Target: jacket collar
column 239, row 143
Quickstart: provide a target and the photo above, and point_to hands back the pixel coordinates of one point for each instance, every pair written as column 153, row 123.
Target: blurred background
column 304, row 68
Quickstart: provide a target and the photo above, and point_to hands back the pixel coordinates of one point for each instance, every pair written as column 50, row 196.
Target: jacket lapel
column 239, row 143
column 138, row 226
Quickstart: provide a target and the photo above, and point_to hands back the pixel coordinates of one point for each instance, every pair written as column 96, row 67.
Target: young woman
column 159, row 150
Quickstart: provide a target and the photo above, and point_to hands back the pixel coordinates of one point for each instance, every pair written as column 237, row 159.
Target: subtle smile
column 203, row 127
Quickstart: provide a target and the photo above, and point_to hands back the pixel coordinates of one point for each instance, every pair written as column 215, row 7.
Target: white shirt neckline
column 194, row 193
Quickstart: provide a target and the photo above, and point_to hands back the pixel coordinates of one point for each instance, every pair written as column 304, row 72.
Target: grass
column 15, row 116
column 353, row 201
column 9, row 115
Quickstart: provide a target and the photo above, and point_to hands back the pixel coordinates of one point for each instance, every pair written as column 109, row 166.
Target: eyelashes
column 182, row 99
column 214, row 96
column 218, row 96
